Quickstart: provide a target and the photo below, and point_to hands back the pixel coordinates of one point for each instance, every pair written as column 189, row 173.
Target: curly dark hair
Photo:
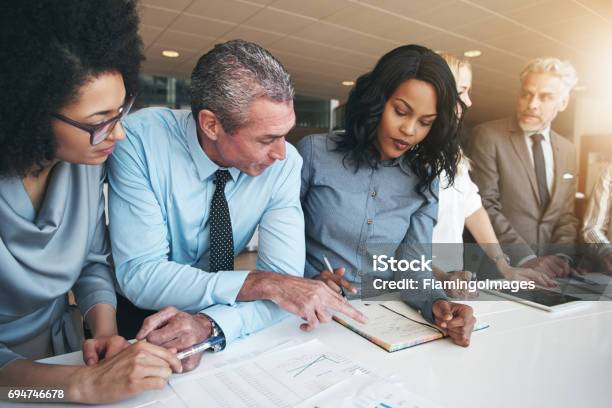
column 440, row 149
column 49, row 50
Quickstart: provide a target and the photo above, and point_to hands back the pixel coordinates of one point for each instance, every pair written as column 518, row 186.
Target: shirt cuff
column 228, row 319
column 99, row 297
column 427, row 310
column 567, row 258
column 227, row 286
column 525, row 259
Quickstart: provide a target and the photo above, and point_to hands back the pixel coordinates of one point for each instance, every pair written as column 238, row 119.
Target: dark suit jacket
column 505, row 175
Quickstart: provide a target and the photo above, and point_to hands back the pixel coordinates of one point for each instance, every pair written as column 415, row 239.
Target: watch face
column 216, row 332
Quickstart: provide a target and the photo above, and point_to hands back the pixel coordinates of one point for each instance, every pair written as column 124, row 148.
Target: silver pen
column 200, row 347
column 328, row 265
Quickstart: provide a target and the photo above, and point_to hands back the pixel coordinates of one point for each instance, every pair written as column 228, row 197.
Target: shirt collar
column 544, row 132
column 404, row 162
column 204, row 166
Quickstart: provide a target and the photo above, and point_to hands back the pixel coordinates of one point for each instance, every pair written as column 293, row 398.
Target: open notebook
column 393, row 325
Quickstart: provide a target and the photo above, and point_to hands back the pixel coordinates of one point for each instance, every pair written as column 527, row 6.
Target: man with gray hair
column 188, row 189
column 526, row 172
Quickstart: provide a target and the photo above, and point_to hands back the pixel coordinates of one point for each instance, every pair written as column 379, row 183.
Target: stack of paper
column 282, row 379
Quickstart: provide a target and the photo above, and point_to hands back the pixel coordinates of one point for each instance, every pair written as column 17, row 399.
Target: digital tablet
column 541, row 298
column 597, row 283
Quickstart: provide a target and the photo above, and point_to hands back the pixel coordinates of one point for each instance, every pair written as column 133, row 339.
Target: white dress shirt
column 548, row 155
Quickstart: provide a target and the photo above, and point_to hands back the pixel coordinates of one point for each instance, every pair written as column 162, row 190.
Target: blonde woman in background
column 596, row 230
column 460, row 206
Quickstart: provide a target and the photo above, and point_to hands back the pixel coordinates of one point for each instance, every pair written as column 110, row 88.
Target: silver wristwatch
column 501, row 256
column 216, row 332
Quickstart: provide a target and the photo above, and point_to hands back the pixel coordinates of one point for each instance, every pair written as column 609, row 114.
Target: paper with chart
column 237, row 353
column 393, row 325
column 270, row 347
column 367, row 391
column 280, row 379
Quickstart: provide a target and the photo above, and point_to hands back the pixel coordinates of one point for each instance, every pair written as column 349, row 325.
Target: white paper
column 270, row 347
column 367, row 391
column 280, row 379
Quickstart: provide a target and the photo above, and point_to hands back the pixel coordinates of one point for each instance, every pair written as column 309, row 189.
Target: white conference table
column 526, row 358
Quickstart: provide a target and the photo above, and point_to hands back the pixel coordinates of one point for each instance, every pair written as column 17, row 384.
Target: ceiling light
column 170, row 53
column 348, row 83
column 472, row 53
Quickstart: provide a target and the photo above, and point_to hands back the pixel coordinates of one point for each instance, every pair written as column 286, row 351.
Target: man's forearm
column 259, row 285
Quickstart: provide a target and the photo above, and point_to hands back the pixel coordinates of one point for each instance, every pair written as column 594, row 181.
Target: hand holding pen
column 334, row 279
column 200, row 347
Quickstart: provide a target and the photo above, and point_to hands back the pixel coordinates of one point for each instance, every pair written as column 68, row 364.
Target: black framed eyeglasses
column 99, row 132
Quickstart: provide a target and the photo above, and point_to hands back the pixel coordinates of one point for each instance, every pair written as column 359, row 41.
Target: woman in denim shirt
column 373, row 190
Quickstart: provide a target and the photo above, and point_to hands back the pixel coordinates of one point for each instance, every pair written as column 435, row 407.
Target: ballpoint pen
column 198, row 348
column 583, row 279
column 328, row 265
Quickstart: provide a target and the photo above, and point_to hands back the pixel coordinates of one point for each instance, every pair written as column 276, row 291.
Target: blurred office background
column 327, row 44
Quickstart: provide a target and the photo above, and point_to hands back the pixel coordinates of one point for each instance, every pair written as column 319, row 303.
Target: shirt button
column 373, row 194
column 370, row 221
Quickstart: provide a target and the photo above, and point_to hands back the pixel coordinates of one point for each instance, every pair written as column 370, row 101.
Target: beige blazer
column 505, row 175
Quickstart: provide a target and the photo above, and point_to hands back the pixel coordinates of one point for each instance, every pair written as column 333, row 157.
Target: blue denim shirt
column 351, row 215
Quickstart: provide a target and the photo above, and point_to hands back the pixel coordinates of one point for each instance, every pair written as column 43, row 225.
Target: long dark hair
column 440, row 149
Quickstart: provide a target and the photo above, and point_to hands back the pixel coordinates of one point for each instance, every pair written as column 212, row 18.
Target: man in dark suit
column 526, row 172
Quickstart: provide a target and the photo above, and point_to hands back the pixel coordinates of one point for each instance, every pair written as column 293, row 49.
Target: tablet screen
column 542, row 296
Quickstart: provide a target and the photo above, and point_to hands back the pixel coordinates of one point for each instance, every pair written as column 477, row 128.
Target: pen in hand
column 200, row 347
column 328, row 265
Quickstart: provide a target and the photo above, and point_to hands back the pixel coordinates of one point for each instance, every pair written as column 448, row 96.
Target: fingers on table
column 90, row 351
column 343, row 306
column 461, row 334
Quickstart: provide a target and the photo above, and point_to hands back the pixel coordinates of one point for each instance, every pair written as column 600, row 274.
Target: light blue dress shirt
column 161, row 188
column 351, row 215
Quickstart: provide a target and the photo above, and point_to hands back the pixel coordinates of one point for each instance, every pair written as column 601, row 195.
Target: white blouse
column 456, row 203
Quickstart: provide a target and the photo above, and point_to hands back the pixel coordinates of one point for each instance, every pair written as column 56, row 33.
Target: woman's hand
column 140, row 367
column 96, row 350
column 336, row 281
column 462, row 294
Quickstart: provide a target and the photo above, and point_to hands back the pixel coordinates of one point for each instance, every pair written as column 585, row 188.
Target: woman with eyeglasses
column 69, row 70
